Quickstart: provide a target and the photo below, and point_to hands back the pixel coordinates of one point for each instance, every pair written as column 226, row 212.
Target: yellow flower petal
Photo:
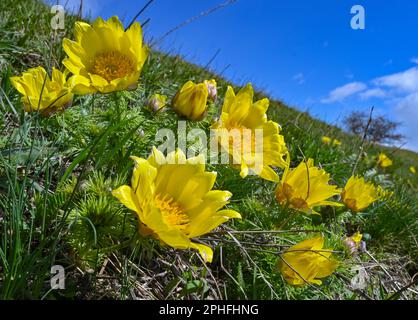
column 79, row 28
column 205, row 252
column 357, row 237
column 173, row 199
column 125, row 195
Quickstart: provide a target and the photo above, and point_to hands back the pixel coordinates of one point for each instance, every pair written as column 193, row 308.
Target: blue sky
column 300, row 51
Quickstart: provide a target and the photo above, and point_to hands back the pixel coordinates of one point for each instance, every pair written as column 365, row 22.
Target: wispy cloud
column 299, row 78
column 407, row 114
column 405, row 81
column 345, row 91
column 373, row 93
column 401, row 90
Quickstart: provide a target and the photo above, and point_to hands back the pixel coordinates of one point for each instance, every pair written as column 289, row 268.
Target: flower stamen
column 172, row 213
column 112, row 65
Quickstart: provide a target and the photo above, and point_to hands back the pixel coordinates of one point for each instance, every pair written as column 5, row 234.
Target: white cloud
column 299, row 78
column 398, row 90
column 341, row 93
column 405, row 81
column 401, row 89
column 373, row 93
column 407, row 114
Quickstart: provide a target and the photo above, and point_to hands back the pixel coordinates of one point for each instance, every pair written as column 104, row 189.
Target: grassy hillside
column 56, row 174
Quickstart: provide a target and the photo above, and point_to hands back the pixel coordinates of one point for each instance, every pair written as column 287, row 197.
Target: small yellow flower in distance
column 358, row 194
column 212, row 89
column 249, row 120
column 157, row 102
column 412, row 169
column 326, row 140
column 104, row 57
column 191, row 100
column 336, row 142
column 40, row 92
column 306, row 187
column 357, row 237
column 384, row 161
column 174, row 200
column 307, row 262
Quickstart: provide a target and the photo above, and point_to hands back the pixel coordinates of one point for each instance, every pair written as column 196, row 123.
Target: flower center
column 112, row 65
column 172, row 213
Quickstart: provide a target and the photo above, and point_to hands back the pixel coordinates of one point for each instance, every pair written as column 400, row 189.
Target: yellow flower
column 173, row 199
column 326, row 140
column 190, row 101
column 212, row 89
column 358, row 194
column 336, row 142
column 104, row 57
column 307, row 261
column 356, row 237
column 306, row 187
column 247, row 118
column 40, row 92
column 157, row 102
column 384, row 161
column 412, row 169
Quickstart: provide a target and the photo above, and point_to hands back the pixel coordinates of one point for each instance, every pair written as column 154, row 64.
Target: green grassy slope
column 56, row 174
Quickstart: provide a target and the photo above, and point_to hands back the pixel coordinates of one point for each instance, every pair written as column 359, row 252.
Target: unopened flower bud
column 354, row 242
column 190, row 101
column 157, row 102
column 362, row 246
column 212, row 89
column 350, row 245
